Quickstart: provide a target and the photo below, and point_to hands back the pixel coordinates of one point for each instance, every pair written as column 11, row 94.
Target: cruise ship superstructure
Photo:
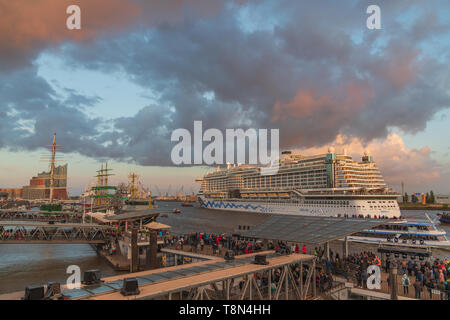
column 329, row 184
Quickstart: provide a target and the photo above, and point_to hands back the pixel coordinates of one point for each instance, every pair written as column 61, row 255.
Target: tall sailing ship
column 329, row 184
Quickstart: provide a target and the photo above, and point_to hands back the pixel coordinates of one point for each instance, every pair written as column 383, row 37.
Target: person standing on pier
column 447, row 290
column 418, row 287
column 441, row 276
column 364, row 278
column 419, row 277
column 405, row 283
column 409, row 267
column 358, row 278
column 441, row 288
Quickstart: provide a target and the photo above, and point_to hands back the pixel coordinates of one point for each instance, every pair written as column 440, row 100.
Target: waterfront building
column 39, row 187
column 442, row 198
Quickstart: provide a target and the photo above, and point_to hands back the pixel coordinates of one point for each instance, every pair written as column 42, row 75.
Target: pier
column 57, row 233
column 40, row 216
column 208, row 280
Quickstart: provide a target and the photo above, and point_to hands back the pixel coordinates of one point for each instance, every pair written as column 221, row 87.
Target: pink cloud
column 415, row 167
column 25, row 23
column 307, row 102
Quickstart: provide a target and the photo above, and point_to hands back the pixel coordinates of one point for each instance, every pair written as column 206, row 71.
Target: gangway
column 59, row 233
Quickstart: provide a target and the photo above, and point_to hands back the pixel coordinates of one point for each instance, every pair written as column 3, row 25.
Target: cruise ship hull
column 299, row 208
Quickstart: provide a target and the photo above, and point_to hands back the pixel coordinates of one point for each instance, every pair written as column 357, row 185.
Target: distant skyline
column 139, row 69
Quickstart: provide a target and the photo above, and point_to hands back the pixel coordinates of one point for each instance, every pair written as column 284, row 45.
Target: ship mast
column 52, row 170
column 102, row 188
column 52, row 158
column 133, row 188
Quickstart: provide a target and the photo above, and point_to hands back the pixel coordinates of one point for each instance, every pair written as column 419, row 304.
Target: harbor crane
column 159, row 191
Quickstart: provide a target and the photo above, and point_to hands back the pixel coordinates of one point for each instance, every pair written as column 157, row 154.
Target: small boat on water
column 444, row 218
column 187, row 204
column 164, row 215
column 176, row 210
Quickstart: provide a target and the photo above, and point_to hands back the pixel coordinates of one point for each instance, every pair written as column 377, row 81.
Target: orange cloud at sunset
column 307, row 102
column 397, row 163
column 24, row 23
column 28, row 26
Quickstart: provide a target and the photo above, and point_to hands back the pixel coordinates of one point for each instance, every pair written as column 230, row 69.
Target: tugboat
column 444, row 218
column 176, row 210
column 187, row 204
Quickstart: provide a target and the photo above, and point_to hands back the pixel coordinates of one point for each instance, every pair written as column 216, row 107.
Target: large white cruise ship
column 328, row 184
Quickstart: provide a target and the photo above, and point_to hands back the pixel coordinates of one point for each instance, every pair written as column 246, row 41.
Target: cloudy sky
column 138, row 69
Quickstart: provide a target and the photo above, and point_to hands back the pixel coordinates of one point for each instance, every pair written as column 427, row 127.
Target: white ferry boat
column 407, row 233
column 328, row 184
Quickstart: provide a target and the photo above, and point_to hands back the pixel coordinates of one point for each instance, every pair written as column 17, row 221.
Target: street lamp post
column 393, row 278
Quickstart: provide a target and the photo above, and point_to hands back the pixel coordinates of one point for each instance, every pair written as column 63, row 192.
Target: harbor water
column 22, row 265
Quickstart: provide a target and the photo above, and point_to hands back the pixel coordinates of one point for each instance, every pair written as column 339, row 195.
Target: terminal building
column 39, row 187
column 442, row 198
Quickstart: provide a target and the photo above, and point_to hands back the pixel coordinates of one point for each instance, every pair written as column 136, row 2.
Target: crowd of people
column 421, row 275
column 217, row 242
column 425, row 276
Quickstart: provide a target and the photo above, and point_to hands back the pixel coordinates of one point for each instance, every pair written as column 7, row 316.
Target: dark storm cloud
column 317, row 73
column 31, row 111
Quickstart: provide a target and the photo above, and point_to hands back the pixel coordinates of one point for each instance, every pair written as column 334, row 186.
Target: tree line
column 429, row 198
